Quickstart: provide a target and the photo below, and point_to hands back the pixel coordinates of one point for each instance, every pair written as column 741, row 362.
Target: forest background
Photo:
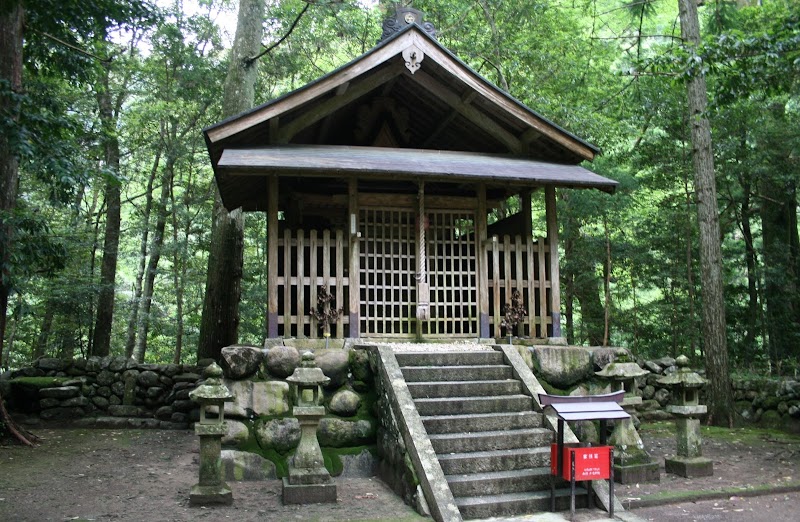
column 106, row 128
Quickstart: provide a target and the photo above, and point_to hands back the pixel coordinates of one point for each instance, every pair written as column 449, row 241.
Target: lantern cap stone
column 621, row 370
column 212, row 389
column 308, row 374
column 684, row 377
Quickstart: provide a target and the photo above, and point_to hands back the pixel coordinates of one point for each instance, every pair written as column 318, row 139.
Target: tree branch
column 73, row 47
column 249, row 61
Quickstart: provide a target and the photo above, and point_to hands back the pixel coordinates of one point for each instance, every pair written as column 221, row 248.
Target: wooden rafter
column 328, row 107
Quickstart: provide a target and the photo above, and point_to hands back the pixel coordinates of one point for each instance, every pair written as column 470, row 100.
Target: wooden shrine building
column 377, row 180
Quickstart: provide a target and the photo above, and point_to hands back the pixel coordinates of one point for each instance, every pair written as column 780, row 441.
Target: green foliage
column 610, row 71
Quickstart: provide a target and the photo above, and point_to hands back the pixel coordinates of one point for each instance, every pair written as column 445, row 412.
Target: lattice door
column 452, row 274
column 388, row 266
column 386, row 275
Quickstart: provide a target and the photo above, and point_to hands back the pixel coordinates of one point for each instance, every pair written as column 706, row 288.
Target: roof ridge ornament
column 403, row 17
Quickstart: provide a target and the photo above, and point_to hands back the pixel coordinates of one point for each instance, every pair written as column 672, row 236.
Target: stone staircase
column 489, row 440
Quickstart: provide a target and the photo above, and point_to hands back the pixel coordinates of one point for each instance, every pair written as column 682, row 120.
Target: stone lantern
column 632, row 463
column 622, row 373
column 211, row 489
column 308, row 481
column 685, row 386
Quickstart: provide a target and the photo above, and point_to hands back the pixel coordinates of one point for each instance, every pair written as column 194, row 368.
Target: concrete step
column 465, row 358
column 493, row 372
column 481, row 422
column 512, row 504
column 420, row 390
column 462, row 405
column 499, row 482
column 490, row 440
column 494, row 460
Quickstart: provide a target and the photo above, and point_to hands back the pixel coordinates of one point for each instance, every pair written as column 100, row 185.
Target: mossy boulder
column 242, row 465
column 562, row 366
column 240, row 361
column 282, row 360
column 280, row 435
column 345, row 403
column 238, row 433
column 340, row 433
column 359, row 366
column 335, row 365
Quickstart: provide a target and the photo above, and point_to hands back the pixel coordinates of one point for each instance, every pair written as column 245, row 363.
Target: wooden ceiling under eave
column 376, row 100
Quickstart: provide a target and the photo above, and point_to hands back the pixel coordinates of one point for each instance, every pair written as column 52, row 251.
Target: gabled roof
column 408, row 90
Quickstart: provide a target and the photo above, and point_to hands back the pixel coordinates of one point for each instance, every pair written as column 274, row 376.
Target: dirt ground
column 138, row 475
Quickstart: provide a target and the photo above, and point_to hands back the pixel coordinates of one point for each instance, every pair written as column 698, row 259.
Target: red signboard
column 591, row 463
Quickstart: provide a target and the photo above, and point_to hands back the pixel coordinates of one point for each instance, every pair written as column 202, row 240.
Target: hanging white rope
column 423, row 290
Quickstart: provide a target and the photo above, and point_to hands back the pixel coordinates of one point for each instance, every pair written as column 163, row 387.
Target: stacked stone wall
column 104, row 391
column 563, row 370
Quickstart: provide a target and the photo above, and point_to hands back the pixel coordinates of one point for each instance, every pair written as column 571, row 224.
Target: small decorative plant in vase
column 326, row 312
column 514, row 314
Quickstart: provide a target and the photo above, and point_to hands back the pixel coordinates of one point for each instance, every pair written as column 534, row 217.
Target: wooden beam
column 493, row 94
column 312, row 90
column 408, row 201
column 468, row 111
column 467, row 99
column 356, row 90
column 552, row 241
column 525, row 210
column 354, row 266
column 483, row 264
column 272, row 257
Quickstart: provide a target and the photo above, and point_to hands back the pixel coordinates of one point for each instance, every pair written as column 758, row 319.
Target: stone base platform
column 207, row 495
column 689, row 467
column 308, row 493
column 636, row 473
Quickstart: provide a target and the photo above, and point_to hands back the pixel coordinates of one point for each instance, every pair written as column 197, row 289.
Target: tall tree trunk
column 750, row 261
column 11, row 16
column 101, row 340
column 568, row 284
column 155, row 253
column 40, row 348
column 133, row 319
column 580, row 270
column 781, row 257
column 220, row 321
column 720, row 396
column 178, row 275
column 12, row 335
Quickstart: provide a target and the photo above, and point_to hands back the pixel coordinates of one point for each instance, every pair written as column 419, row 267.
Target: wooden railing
column 517, row 264
column 306, row 262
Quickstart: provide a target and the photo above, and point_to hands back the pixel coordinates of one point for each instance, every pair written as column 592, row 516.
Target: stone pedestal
column 211, row 489
column 309, row 481
column 632, row 464
column 689, row 462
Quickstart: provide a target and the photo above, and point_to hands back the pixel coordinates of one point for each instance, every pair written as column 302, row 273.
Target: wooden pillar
column 354, row 265
column 483, row 265
column 552, row 241
column 525, row 209
column 272, row 257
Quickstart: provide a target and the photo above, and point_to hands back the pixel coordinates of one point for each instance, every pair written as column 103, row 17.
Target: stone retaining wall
column 565, row 370
column 105, row 391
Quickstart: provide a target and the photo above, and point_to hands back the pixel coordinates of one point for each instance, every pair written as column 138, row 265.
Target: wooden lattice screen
column 304, row 264
column 452, row 274
column 524, row 266
column 387, row 262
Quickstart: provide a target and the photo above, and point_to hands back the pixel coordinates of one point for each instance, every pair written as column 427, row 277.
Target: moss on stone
column 40, row 382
